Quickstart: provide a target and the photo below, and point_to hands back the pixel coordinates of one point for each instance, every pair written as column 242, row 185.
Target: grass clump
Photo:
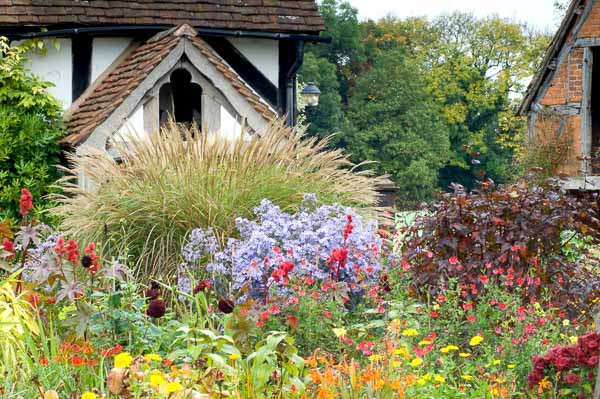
column 181, row 179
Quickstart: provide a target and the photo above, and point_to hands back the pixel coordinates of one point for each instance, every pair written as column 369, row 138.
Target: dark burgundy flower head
column 572, row 379
column 86, row 261
column 156, row 308
column 153, row 291
column 226, row 305
column 202, row 286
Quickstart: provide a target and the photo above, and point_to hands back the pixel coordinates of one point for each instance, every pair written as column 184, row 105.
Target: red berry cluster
column 90, row 260
column 26, row 202
column 70, row 250
column 8, row 246
column 565, row 359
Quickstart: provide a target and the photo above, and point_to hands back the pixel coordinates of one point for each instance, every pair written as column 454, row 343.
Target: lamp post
column 311, row 94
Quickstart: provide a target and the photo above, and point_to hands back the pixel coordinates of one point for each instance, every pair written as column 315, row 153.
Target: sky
column 539, row 13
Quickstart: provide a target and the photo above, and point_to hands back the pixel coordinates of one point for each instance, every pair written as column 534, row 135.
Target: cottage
column 130, row 65
column 563, row 101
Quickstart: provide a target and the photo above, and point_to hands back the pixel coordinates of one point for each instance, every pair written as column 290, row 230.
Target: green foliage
column 396, row 124
column 30, row 127
column 465, row 73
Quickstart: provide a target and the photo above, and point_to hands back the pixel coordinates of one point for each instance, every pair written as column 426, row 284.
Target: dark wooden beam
column 81, row 48
column 246, row 69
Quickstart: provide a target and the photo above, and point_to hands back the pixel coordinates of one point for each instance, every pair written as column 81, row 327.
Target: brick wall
column 547, row 129
column 591, row 27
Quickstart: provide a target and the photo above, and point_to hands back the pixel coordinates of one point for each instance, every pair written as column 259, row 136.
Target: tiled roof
column 301, row 16
column 98, row 104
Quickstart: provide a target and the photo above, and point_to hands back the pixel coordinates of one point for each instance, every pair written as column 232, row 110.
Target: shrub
column 181, row 179
column 30, row 128
column 512, row 234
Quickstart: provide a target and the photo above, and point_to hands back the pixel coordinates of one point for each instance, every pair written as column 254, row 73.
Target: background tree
column 466, row 75
column 30, row 127
column 394, row 122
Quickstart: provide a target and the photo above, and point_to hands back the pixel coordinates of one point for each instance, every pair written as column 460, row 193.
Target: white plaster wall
column 133, row 127
column 262, row 53
column 230, row 127
column 56, row 66
column 105, row 50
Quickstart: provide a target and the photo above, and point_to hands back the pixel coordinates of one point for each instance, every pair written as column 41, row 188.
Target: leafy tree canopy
column 398, row 80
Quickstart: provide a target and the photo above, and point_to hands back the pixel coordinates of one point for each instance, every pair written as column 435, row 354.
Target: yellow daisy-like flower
column 401, row 352
column 375, row 358
column 511, row 366
column 410, row 332
column 449, row 348
column 123, row 360
column 421, row 382
column 468, row 377
column 417, row 361
column 340, row 332
column 476, row 340
column 566, row 322
column 157, row 380
column 174, row 387
column 439, row 379
column 89, row 395
column 234, row 356
column 424, row 343
column 464, row 354
column 496, row 362
column 396, row 363
column 152, row 357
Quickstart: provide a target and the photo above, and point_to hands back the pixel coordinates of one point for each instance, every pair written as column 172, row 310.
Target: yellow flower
column 88, row 395
column 494, row 391
column 396, row 363
column 476, row 340
column 416, row 362
column 436, row 307
column 468, row 377
column 573, row 340
column 511, row 366
column 123, row 360
column 449, row 348
column 424, row 343
column 156, row 379
column 401, row 352
column 410, row 332
column 234, row 356
column 375, row 358
column 395, row 325
column 496, row 362
column 174, row 387
column 464, row 354
column 421, row 381
column 340, row 332
column 152, row 357
column 566, row 322
column 440, row 379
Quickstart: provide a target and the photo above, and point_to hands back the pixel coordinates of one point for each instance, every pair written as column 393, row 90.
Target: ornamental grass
column 181, row 179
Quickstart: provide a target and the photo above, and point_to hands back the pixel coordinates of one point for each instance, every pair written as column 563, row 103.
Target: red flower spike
column 26, row 202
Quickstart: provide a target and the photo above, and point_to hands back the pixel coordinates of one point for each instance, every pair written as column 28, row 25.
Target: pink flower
column 274, row 309
column 484, row 279
column 472, row 318
column 327, row 314
column 315, row 295
column 293, row 301
column 453, row 260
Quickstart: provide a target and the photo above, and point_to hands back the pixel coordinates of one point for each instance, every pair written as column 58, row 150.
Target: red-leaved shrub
column 509, row 235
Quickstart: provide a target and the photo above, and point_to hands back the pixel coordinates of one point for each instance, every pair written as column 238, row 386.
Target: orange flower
column 43, row 360
column 76, row 360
